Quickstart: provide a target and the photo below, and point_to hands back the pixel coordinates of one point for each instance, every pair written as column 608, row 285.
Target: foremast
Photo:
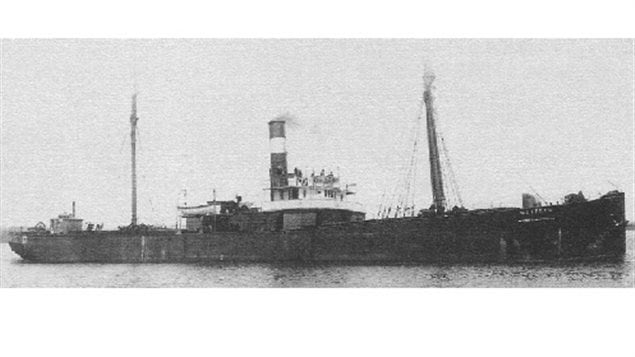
column 133, row 154
column 436, row 176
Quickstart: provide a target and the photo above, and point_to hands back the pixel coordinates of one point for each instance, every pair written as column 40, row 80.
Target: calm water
column 16, row 273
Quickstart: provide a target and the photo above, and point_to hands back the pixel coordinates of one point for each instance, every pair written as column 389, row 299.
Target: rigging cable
column 406, row 202
column 453, row 184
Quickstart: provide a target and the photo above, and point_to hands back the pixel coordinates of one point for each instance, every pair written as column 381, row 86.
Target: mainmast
column 133, row 152
column 435, row 164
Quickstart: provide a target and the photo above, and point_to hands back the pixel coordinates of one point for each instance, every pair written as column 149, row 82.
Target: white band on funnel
column 277, row 145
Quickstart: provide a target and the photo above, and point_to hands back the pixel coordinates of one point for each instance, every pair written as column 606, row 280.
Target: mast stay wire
column 453, row 185
column 522, row 177
column 407, row 201
column 401, row 202
column 412, row 179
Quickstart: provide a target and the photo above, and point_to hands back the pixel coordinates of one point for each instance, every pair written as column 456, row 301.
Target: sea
column 16, row 273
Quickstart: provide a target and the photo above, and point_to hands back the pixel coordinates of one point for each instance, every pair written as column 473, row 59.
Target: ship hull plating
column 590, row 230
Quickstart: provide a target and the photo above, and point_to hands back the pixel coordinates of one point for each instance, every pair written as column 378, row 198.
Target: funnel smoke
column 428, row 78
column 290, row 120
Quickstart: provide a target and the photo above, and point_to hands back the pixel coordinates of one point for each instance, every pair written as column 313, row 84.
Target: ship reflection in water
column 16, row 273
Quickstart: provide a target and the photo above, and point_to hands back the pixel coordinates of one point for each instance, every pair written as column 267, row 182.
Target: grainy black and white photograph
column 332, row 178
column 317, row 163
column 420, row 163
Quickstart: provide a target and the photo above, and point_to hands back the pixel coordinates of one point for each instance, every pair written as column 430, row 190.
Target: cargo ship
column 314, row 218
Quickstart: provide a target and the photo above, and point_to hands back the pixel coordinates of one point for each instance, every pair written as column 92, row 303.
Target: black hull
column 593, row 230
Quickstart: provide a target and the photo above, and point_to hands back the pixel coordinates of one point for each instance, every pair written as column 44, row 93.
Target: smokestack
column 74, row 209
column 277, row 143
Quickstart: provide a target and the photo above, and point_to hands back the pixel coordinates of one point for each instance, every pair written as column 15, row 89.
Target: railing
column 199, row 210
column 312, row 204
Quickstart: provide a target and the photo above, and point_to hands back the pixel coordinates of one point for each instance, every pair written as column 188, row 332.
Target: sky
column 545, row 116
